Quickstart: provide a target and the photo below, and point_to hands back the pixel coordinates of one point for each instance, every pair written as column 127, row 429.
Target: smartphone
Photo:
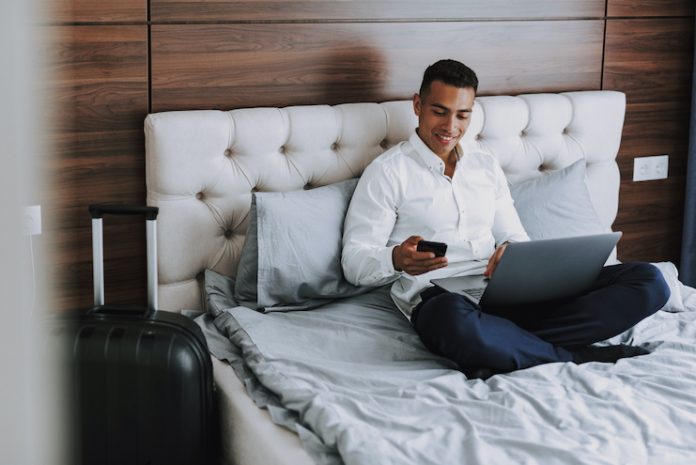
column 438, row 248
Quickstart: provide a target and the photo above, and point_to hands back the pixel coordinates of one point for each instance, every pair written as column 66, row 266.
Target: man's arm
column 507, row 226
column 366, row 258
column 494, row 259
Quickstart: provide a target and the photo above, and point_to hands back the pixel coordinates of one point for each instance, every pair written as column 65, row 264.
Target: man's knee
column 644, row 287
column 648, row 280
column 444, row 310
column 448, row 319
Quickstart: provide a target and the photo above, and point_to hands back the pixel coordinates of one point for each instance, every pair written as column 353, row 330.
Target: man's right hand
column 406, row 258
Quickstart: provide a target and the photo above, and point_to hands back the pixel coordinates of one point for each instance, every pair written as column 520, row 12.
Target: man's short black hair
column 450, row 72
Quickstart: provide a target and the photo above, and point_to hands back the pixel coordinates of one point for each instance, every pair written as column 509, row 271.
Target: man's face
column 444, row 114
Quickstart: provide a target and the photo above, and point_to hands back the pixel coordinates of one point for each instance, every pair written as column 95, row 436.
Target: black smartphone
column 438, row 248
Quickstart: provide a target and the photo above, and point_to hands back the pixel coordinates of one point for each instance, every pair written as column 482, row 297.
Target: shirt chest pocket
column 476, row 199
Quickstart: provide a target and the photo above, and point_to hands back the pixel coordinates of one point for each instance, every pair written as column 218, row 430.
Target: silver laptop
column 537, row 271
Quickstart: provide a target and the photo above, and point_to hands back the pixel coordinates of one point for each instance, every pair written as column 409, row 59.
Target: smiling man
column 428, row 188
column 441, row 127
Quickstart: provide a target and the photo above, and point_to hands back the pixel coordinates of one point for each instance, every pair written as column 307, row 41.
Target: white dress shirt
column 405, row 192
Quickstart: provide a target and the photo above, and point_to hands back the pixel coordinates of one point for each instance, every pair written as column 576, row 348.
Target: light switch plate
column 31, row 220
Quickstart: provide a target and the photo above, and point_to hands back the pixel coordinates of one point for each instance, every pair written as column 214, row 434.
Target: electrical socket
column 649, row 168
column 661, row 166
column 31, row 220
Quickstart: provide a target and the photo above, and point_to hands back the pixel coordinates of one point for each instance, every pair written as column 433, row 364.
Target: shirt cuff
column 386, row 269
column 513, row 238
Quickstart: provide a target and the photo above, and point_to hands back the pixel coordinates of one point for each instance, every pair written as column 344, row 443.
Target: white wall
column 28, row 426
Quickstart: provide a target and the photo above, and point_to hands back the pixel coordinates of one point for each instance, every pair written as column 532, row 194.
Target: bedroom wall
column 113, row 61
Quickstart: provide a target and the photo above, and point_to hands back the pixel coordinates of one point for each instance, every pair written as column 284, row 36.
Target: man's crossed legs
column 499, row 340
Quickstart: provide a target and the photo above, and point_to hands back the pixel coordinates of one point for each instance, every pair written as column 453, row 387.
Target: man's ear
column 417, row 104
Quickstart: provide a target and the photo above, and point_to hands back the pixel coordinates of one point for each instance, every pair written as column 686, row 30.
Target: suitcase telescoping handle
column 97, row 211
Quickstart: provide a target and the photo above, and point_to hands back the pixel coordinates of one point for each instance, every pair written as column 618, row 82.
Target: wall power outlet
column 648, row 168
column 31, row 220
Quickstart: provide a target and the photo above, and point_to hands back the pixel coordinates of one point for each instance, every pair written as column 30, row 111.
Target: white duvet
column 354, row 381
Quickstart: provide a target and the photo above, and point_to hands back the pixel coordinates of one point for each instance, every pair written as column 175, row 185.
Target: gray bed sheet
column 357, row 385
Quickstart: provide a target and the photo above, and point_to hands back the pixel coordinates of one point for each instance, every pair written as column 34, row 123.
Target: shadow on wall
column 354, row 73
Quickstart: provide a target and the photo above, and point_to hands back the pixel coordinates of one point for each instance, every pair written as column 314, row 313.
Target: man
column 428, row 188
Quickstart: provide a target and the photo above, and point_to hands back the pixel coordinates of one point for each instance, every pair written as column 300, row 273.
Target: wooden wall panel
column 638, row 8
column 304, row 10
column 71, row 11
column 99, row 86
column 651, row 241
column 231, row 66
column 651, row 60
column 656, row 128
column 235, row 53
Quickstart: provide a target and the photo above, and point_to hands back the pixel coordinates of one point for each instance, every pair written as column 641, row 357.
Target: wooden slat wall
column 644, row 8
column 371, row 10
column 99, row 84
column 231, row 66
column 116, row 60
column 97, row 11
column 651, row 59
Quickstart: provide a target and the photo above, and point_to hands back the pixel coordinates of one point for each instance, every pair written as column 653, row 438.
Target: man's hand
column 495, row 259
column 406, row 258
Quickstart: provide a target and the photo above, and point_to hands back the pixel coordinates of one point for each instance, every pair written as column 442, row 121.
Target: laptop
column 537, row 271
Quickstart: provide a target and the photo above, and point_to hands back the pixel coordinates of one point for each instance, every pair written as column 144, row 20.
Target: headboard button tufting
column 200, row 195
column 282, row 149
column 334, row 146
column 228, row 233
column 228, row 153
column 384, row 144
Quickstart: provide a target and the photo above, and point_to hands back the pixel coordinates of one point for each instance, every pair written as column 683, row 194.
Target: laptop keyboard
column 476, row 293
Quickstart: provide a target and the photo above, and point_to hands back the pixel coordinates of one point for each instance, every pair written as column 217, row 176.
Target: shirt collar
column 429, row 158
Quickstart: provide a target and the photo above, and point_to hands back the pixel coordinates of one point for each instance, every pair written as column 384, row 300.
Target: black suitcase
column 142, row 387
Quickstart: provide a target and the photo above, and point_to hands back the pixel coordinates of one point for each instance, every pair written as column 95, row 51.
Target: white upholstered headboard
column 202, row 166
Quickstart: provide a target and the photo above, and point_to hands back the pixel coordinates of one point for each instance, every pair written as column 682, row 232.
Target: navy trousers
column 511, row 338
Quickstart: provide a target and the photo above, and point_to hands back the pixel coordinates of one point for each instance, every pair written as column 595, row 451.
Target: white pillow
column 669, row 271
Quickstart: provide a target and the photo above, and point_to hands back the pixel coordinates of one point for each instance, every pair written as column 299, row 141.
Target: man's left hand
column 495, row 258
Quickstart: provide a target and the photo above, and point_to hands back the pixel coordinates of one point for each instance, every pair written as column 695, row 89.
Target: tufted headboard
column 202, row 166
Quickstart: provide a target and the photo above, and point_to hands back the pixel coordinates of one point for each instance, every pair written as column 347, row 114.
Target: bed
column 311, row 370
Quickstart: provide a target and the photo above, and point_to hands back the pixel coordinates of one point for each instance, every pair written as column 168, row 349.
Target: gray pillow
column 557, row 204
column 248, row 267
column 295, row 248
column 219, row 290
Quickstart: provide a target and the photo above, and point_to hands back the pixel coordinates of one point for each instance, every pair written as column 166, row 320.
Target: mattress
column 248, row 435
